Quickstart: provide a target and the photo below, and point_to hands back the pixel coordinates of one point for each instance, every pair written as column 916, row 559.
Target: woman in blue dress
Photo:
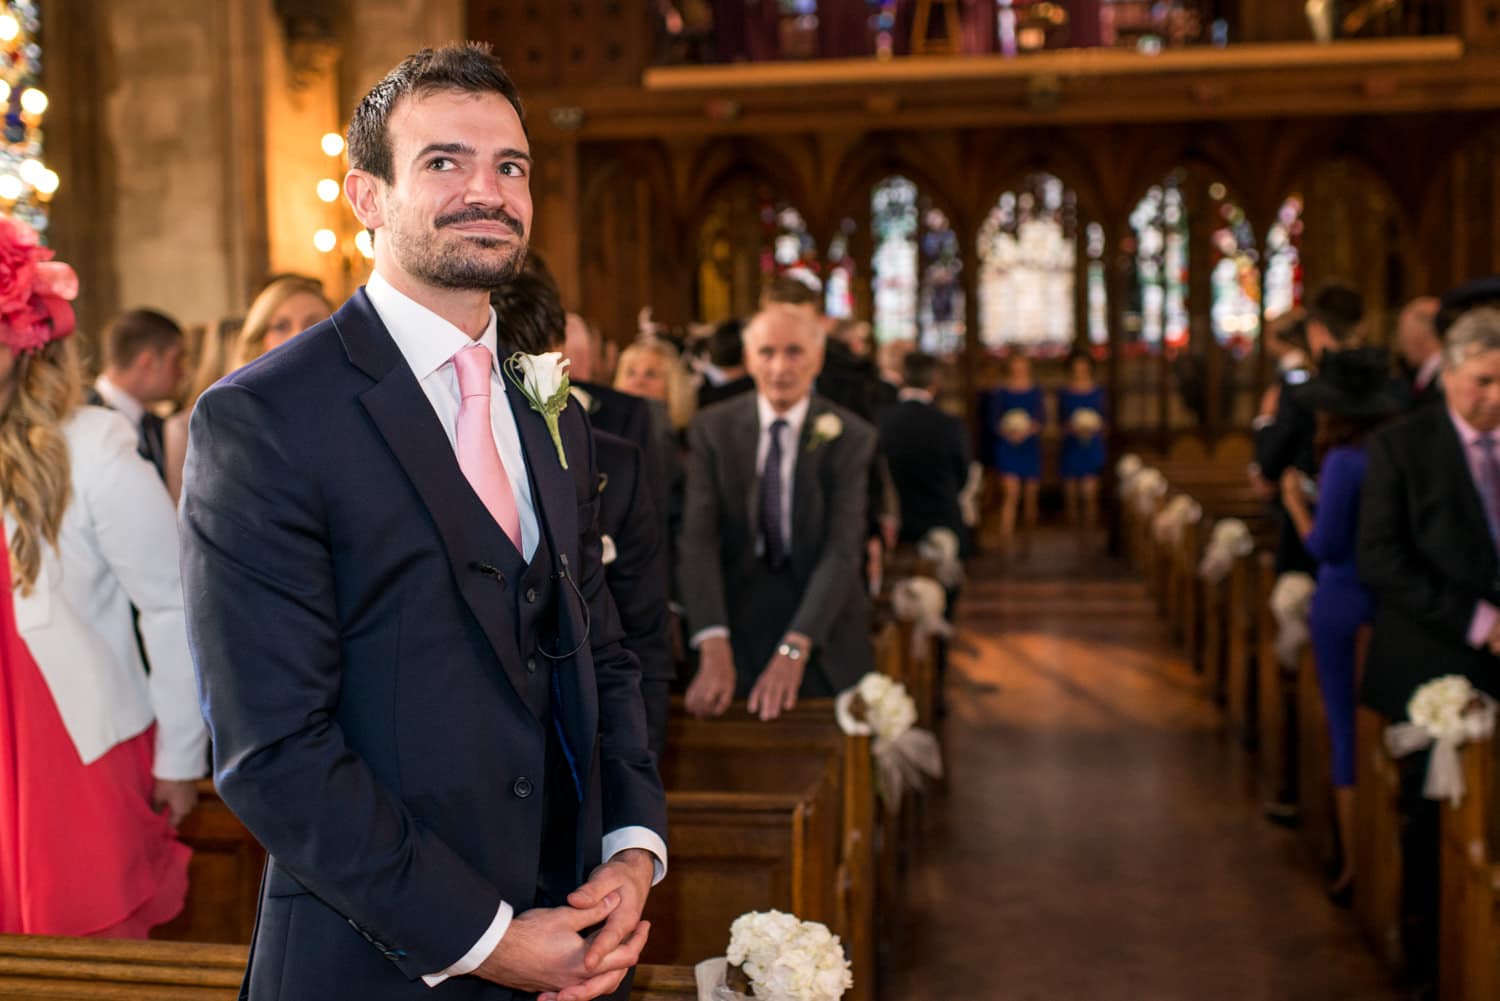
column 1080, row 417
column 1017, row 412
column 1352, row 397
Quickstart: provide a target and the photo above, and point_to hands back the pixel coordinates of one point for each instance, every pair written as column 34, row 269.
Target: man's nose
column 484, row 188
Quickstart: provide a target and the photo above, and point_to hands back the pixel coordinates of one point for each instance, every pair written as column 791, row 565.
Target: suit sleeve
column 263, row 626
column 638, row 577
column 837, row 569
column 1390, row 563
column 1278, row 445
column 632, row 789
column 699, row 563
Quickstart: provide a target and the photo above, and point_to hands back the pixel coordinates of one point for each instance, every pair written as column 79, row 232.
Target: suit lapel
column 805, row 473
column 1457, row 461
column 405, row 419
column 746, row 431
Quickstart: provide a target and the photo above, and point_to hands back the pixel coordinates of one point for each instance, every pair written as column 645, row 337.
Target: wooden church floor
column 1100, row 838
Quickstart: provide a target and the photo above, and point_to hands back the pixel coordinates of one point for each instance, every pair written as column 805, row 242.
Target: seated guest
column 770, row 553
column 528, row 309
column 1083, row 441
column 928, row 453
column 1421, row 350
column 142, row 368
column 725, row 374
column 651, row 368
column 97, row 759
column 1351, row 397
column 1429, row 525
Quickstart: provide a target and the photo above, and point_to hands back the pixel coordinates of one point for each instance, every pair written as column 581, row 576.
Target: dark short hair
column 469, row 68
column 919, row 370
column 131, row 334
column 1078, row 355
column 791, row 292
column 726, row 345
column 529, row 314
column 1290, row 328
column 1337, row 307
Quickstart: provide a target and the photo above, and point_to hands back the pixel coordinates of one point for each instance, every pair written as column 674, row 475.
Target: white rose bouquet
column 1015, row 425
column 905, row 755
column 1445, row 714
column 1086, row 423
column 776, row 957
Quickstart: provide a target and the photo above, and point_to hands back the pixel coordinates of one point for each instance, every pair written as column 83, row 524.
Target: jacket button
column 522, row 788
column 531, row 595
column 530, row 665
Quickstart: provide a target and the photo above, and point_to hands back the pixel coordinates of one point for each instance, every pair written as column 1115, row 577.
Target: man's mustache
column 477, row 214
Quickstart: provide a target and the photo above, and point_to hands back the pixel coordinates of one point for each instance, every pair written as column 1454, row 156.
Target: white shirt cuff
column 626, row 838
column 707, row 634
column 481, row 951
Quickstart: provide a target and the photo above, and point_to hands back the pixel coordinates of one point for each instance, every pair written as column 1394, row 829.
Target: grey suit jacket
column 718, row 564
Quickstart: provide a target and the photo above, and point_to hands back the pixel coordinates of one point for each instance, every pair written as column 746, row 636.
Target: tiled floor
column 1100, row 838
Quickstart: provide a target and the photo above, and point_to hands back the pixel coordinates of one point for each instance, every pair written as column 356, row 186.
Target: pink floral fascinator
column 34, row 290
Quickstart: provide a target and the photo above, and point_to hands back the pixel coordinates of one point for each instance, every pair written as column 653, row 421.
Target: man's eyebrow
column 455, row 147
column 513, row 154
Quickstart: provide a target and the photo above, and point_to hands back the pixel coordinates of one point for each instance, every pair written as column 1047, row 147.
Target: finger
column 791, row 698
column 579, row 918
column 628, row 953
column 753, row 703
column 594, row 987
column 620, row 926
column 600, row 885
column 726, row 696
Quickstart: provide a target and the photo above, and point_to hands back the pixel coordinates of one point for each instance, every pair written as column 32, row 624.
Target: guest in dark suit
column 529, row 310
column 142, row 367
column 928, row 452
column 775, row 519
column 1420, row 348
column 1429, row 526
column 411, row 667
column 726, row 376
column 1333, row 318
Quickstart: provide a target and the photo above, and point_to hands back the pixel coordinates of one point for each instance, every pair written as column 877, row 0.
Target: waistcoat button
column 522, row 788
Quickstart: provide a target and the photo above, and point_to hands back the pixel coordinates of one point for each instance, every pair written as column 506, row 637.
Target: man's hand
column 776, row 689
column 175, row 797
column 543, row 951
column 628, row 876
column 713, row 687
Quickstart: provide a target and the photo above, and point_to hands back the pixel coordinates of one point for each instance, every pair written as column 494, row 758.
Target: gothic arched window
column 1234, row 312
column 1157, row 315
column 893, row 222
column 1028, row 261
column 1284, row 259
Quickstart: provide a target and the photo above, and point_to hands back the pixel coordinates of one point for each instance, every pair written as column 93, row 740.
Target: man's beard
column 466, row 264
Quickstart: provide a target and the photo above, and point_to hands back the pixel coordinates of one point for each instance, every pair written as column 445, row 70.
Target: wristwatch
column 789, row 651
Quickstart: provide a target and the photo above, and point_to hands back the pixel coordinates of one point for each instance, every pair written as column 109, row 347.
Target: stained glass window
column 940, row 315
column 1028, row 254
column 1284, row 259
column 1235, row 280
column 893, row 218
column 1098, row 289
column 1158, row 315
column 838, row 285
column 788, row 243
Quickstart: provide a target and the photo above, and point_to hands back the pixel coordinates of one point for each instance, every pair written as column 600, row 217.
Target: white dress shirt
column 117, row 399
column 428, row 343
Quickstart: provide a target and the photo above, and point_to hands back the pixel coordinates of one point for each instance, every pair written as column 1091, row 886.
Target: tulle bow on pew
column 1229, row 541
column 1291, row 599
column 1144, row 489
column 922, row 602
column 1170, row 522
column 968, row 497
column 940, row 548
column 1446, row 713
column 906, row 756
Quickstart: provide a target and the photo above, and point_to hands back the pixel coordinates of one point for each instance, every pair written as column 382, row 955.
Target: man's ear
column 363, row 191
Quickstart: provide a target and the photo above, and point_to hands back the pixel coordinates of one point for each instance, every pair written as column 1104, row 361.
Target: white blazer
column 117, row 546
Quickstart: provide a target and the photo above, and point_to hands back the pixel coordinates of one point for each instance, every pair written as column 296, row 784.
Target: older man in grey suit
column 773, row 532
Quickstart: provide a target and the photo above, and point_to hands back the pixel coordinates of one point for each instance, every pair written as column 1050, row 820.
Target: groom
column 408, row 658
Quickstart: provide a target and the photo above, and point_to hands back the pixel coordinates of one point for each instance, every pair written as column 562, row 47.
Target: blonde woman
column 652, row 368
column 288, row 305
column 89, row 532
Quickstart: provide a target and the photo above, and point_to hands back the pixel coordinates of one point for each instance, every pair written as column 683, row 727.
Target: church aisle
column 1100, row 839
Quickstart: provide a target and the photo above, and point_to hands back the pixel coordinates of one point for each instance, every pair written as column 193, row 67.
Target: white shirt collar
column 794, row 417
column 426, row 340
column 1429, row 370
column 909, row 394
column 119, row 400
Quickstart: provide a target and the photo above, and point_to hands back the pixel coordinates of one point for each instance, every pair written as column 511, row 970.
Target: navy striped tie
column 772, row 532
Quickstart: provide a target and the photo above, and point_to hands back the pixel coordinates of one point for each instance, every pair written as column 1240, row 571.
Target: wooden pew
column 1275, row 688
column 1469, row 953
column 1314, row 764
column 223, row 877
column 1377, row 839
column 87, row 969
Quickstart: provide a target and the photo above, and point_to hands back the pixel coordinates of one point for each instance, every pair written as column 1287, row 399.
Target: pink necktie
column 477, row 455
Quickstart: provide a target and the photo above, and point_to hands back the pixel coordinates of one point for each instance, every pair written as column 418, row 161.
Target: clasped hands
column 775, row 690
column 544, row 949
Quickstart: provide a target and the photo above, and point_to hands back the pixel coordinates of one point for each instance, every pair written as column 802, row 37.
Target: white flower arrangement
column 1128, row 466
column 1445, row 714
column 1086, row 423
column 1229, row 540
column 1291, row 600
column 543, row 380
column 1146, row 488
column 1170, row 523
column 940, row 548
column 778, row 958
column 905, row 755
column 826, row 427
column 1015, row 425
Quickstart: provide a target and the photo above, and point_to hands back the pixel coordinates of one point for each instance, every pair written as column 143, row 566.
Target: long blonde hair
column 35, row 471
column 682, row 396
column 252, row 339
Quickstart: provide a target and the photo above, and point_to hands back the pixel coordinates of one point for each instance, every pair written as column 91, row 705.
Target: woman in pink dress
column 97, row 758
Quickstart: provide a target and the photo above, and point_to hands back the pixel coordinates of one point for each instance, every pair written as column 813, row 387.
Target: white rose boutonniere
column 543, row 380
column 826, row 427
column 610, row 553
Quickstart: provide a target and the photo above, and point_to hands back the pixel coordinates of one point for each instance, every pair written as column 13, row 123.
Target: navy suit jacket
column 377, row 718
column 638, row 575
column 928, row 452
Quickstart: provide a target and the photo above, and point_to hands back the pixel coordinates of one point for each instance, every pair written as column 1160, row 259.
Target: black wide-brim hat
column 1356, row 383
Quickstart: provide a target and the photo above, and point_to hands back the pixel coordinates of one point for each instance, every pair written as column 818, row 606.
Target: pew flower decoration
column 906, row 757
column 1015, row 425
column 1146, row 488
column 1128, row 466
column 1086, row 423
column 1170, row 523
column 543, row 380
column 968, row 497
column 826, row 427
column 1291, row 600
column 940, row 548
column 1229, row 541
column 776, row 957
column 1445, row 714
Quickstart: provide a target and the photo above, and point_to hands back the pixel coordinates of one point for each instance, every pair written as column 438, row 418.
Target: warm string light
column 27, row 184
column 327, row 240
